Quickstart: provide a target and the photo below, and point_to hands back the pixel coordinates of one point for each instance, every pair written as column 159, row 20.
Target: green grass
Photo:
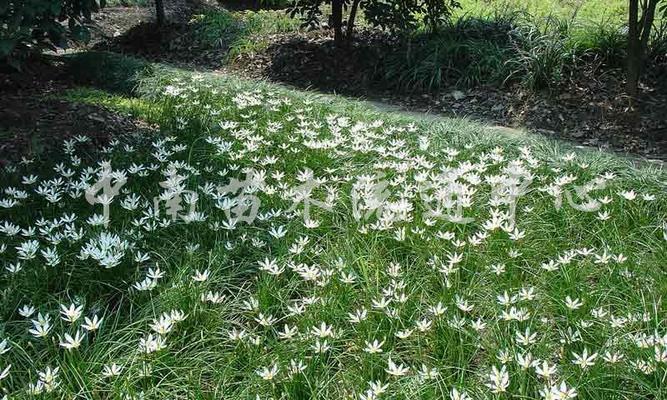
column 593, row 11
column 241, row 32
column 137, row 107
column 504, row 42
column 535, row 44
column 215, row 129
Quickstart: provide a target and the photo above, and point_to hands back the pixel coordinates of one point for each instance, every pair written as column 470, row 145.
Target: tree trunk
column 337, row 20
column 633, row 49
column 648, row 16
column 351, row 18
column 159, row 12
column 639, row 33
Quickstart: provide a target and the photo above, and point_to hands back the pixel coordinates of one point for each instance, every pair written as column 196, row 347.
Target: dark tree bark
column 639, row 32
column 159, row 12
column 633, row 49
column 351, row 19
column 337, row 21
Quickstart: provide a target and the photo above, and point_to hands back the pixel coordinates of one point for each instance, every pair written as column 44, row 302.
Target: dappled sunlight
column 271, row 245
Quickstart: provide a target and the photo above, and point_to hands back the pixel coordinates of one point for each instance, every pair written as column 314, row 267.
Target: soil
column 589, row 109
column 34, row 122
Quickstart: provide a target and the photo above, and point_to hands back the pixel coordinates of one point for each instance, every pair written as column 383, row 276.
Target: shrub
column 29, row 26
column 217, row 29
column 408, row 16
column 604, row 42
column 540, row 55
column 472, row 51
column 395, row 16
column 240, row 32
column 505, row 49
column 121, row 74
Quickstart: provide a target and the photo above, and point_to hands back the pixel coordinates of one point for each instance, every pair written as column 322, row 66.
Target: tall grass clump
column 240, row 32
column 469, row 52
column 109, row 71
column 541, row 54
column 508, row 48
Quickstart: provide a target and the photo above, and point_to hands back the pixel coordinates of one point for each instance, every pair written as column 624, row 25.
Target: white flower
column 41, row 326
column 456, row 395
column 163, row 325
column 5, row 372
column 111, row 370
column 288, row 332
column 396, row 369
column 628, row 195
column 426, row 373
column 584, row 360
column 4, row 347
column 92, row 324
column 498, row 380
column 151, row 343
column 613, row 357
column 268, row 373
column 200, row 276
column 573, row 304
column 70, row 342
column 71, row 313
column 374, row 347
column 322, row 331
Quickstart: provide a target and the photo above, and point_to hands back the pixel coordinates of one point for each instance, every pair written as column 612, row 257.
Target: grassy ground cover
column 323, row 250
column 538, row 44
column 600, row 11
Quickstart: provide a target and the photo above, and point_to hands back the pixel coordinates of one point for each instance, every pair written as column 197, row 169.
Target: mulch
column 588, row 109
column 34, row 122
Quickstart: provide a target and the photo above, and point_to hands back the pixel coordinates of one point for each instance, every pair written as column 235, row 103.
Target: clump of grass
column 541, row 55
column 127, row 3
column 472, row 51
column 240, row 32
column 504, row 48
column 108, row 71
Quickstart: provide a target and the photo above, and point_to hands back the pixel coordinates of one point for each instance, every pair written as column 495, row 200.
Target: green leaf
column 6, row 47
column 81, row 33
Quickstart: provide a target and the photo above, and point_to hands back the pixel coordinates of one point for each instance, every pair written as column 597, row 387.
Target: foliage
column 606, row 42
column 395, row 16
column 109, row 71
column 218, row 28
column 470, row 52
column 240, row 32
column 541, row 55
column 506, row 48
column 274, row 3
column 254, row 4
column 559, row 303
column 128, row 3
column 29, row 26
column 407, row 16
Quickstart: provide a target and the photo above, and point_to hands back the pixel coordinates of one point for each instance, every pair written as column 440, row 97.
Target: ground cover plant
column 275, row 244
column 536, row 45
column 241, row 32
